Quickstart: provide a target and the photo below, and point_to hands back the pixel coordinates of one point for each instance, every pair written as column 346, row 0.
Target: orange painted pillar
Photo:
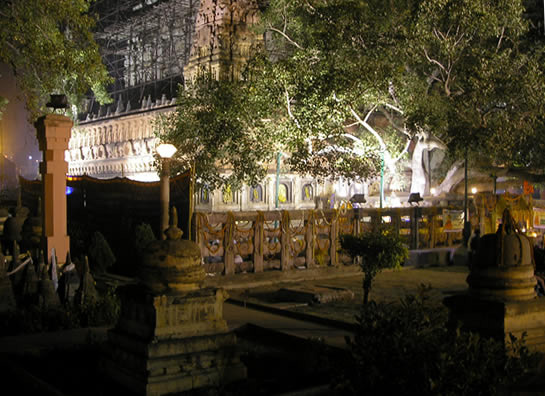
column 53, row 136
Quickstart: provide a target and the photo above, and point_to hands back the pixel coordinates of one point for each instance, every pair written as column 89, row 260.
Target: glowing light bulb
column 474, row 190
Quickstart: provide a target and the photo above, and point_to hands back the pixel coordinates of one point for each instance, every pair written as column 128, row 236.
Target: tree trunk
column 424, row 142
column 418, row 180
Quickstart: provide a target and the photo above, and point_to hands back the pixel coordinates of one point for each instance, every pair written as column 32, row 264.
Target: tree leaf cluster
column 221, row 128
column 50, row 48
column 467, row 71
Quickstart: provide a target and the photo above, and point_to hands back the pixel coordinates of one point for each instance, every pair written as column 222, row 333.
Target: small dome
column 173, row 264
column 504, row 267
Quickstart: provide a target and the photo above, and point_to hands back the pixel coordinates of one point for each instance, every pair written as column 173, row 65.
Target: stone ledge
column 250, row 280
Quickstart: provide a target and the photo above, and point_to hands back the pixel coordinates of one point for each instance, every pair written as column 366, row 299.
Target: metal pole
column 191, row 200
column 416, row 226
column 381, row 178
column 165, row 196
column 467, row 226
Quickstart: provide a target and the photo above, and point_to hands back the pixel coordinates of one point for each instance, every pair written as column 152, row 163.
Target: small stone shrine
column 501, row 298
column 171, row 336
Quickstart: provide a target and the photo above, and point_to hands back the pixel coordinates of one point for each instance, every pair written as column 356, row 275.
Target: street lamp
column 415, row 198
column 165, row 151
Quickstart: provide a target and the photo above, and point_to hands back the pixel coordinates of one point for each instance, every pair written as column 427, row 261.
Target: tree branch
column 271, row 28
column 500, row 39
column 288, row 107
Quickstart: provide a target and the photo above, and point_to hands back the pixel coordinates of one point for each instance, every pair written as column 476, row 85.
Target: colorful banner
column 453, row 220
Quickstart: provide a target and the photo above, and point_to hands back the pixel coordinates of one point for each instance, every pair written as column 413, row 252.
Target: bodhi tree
column 458, row 74
column 340, row 85
column 50, row 48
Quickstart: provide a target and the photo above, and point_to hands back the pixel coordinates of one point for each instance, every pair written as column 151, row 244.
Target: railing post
column 431, row 222
column 356, row 220
column 258, row 242
column 414, row 229
column 229, row 246
column 285, row 241
column 309, row 240
column 333, row 231
column 198, row 229
column 396, row 220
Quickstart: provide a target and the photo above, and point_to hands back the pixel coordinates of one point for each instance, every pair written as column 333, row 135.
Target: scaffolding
column 145, row 45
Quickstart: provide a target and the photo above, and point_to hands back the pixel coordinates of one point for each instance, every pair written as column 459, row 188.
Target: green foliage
column 467, row 71
column 104, row 311
column 220, row 125
column 377, row 249
column 143, row 234
column 50, row 48
column 32, row 319
column 407, row 349
column 101, row 256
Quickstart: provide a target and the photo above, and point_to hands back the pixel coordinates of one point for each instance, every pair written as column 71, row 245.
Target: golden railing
column 237, row 242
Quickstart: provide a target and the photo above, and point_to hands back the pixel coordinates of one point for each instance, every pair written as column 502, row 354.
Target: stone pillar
column 53, row 136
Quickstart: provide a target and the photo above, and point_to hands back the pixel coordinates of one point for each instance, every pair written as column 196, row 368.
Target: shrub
column 101, row 256
column 143, row 235
column 406, row 349
column 377, row 249
column 102, row 312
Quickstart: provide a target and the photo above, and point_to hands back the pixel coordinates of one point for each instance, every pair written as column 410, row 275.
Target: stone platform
column 500, row 318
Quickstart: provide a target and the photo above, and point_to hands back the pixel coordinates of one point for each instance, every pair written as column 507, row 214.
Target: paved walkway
column 237, row 316
column 389, row 286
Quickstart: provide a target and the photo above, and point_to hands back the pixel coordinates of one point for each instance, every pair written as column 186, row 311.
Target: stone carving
column 86, row 292
column 47, row 296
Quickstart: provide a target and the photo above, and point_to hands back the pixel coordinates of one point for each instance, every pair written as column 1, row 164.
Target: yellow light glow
column 474, row 190
column 433, row 191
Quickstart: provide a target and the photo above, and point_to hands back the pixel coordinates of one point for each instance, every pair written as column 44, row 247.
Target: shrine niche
column 307, row 192
column 256, row 194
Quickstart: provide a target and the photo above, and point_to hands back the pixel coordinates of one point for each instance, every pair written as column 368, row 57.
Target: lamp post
column 277, row 199
column 165, row 151
column 381, row 178
column 415, row 198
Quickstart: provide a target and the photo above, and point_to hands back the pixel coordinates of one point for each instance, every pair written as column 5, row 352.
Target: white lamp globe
column 166, row 150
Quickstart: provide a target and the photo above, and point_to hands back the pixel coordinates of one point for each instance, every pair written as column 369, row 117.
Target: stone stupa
column 501, row 298
column 171, row 336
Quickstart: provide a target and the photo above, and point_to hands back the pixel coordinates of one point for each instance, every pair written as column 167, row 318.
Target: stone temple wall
column 119, row 145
